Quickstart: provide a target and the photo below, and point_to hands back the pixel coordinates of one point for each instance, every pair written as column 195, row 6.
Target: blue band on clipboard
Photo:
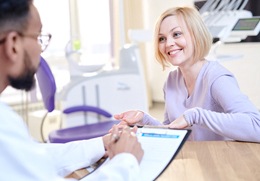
column 156, row 135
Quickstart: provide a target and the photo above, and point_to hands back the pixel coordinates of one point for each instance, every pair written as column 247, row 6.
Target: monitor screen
column 246, row 24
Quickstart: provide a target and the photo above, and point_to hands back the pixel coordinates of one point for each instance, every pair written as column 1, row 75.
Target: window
column 94, row 29
column 86, row 21
column 55, row 18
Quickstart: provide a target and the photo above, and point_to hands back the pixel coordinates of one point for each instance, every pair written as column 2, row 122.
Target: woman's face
column 175, row 42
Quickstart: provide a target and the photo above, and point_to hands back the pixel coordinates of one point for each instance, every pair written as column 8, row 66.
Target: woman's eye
column 161, row 39
column 177, row 34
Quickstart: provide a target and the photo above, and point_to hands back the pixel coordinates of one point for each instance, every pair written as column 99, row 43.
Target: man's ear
column 13, row 46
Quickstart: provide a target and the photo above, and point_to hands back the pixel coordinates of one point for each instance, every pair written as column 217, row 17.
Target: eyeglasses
column 42, row 38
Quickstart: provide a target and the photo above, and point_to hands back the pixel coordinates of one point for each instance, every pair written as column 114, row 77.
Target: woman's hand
column 130, row 117
column 179, row 123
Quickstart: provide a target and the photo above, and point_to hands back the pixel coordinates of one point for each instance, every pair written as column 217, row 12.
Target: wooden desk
column 215, row 160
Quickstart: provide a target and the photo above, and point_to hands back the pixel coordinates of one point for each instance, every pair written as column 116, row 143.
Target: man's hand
column 124, row 140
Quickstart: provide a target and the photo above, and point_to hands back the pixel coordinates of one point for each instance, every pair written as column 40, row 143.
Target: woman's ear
column 13, row 46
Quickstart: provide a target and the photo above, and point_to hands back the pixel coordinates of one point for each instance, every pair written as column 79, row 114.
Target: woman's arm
column 240, row 119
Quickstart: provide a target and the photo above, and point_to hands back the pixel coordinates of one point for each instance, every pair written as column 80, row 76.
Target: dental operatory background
column 101, row 54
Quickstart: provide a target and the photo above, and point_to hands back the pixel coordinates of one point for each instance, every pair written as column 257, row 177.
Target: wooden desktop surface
column 215, row 160
column 211, row 161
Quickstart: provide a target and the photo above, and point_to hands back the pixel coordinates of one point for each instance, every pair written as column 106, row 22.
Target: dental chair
column 47, row 87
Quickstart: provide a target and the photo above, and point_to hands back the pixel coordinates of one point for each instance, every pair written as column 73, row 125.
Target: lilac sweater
column 216, row 110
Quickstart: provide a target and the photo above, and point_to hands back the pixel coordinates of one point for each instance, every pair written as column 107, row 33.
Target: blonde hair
column 200, row 35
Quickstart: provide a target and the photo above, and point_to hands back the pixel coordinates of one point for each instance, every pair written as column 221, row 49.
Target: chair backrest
column 46, row 84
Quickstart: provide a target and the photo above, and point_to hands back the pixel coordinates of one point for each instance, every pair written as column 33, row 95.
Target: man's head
column 20, row 43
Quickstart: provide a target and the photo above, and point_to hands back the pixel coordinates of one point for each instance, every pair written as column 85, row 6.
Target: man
column 21, row 158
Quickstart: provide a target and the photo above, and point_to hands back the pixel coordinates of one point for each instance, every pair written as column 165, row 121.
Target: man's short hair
column 14, row 15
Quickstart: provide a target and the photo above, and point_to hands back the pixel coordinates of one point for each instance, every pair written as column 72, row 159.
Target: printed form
column 160, row 146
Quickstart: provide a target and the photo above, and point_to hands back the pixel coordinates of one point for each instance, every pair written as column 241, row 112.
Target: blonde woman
column 200, row 94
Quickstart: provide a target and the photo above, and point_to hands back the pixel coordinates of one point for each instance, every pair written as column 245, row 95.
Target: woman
column 200, row 94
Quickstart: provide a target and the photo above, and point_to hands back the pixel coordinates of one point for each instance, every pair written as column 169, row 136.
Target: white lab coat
column 23, row 159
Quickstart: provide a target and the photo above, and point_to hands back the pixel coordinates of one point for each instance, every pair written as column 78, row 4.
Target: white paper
column 159, row 145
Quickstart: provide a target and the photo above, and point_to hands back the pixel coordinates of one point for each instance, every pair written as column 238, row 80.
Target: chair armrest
column 87, row 109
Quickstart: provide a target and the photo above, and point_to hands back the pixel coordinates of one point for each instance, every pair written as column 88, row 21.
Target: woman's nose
column 170, row 42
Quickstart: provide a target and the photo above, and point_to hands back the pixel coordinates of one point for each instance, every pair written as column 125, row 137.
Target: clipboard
column 160, row 145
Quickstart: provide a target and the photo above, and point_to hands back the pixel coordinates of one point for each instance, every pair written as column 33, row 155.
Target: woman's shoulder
column 216, row 69
column 173, row 78
column 174, row 72
column 213, row 70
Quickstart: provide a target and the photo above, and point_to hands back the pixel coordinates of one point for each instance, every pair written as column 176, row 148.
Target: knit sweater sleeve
column 149, row 120
column 240, row 119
